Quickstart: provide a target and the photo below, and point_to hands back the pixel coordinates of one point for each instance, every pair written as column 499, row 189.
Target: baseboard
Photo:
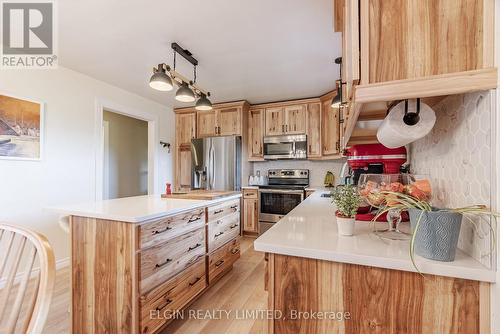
column 60, row 264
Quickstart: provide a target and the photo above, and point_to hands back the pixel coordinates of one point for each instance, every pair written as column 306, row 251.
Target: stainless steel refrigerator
column 216, row 163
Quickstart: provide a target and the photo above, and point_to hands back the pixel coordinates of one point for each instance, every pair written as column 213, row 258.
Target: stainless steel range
column 286, row 189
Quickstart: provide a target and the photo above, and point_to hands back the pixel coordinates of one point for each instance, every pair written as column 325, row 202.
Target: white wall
column 67, row 172
column 317, row 169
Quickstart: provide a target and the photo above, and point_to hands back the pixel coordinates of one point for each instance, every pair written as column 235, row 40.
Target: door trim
column 102, row 104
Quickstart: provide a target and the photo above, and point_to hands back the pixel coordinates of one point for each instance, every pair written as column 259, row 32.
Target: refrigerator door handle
column 212, row 167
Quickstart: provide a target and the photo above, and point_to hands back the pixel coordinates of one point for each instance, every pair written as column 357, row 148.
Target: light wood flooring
column 240, row 289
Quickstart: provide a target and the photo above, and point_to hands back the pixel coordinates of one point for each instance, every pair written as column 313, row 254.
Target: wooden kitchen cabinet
column 295, row 119
column 350, row 48
column 407, row 39
column 275, row 121
column 206, row 124
column 255, row 134
column 313, row 126
column 286, row 119
column 228, row 121
column 250, row 211
column 185, row 125
column 330, row 130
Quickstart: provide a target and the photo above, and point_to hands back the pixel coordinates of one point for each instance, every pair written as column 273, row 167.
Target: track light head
column 160, row 80
column 185, row 94
column 203, row 103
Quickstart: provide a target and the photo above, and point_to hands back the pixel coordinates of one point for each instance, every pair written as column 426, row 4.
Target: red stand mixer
column 372, row 159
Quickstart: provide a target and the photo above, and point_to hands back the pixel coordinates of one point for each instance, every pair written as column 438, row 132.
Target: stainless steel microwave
column 285, row 147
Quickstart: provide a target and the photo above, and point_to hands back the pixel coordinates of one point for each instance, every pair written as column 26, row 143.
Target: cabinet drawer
column 222, row 259
column 250, row 193
column 224, row 209
column 173, row 295
column 158, row 231
column 222, row 230
column 161, row 262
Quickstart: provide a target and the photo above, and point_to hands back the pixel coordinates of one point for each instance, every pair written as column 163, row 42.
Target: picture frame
column 22, row 125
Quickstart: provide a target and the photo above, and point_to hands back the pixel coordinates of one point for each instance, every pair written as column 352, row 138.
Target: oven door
column 276, row 203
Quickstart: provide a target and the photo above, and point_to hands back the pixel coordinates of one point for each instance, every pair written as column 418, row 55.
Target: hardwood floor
column 239, row 290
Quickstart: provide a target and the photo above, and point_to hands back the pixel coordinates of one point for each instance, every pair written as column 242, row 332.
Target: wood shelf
column 436, row 85
column 432, row 89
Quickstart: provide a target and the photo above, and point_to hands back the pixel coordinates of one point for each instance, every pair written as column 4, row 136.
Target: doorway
column 125, row 156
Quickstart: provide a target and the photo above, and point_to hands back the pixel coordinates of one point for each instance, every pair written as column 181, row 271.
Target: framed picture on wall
column 21, row 128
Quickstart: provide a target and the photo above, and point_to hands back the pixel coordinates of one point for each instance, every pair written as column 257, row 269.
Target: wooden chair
column 20, row 250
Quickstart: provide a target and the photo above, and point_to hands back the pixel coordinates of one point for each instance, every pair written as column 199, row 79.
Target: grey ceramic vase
column 437, row 234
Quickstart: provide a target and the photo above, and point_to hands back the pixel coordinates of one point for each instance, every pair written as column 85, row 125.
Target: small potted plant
column 347, row 200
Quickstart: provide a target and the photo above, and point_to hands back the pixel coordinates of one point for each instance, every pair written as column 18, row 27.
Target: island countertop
column 310, row 231
column 137, row 209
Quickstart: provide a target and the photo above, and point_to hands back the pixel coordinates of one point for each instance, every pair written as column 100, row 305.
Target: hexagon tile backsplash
column 457, row 155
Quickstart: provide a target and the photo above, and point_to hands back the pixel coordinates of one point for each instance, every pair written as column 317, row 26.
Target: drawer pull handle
column 159, row 308
column 162, row 231
column 234, row 251
column 219, row 234
column 195, row 281
column 159, row 265
column 194, row 247
column 233, row 226
column 219, row 263
column 234, row 207
column 216, row 212
column 194, row 219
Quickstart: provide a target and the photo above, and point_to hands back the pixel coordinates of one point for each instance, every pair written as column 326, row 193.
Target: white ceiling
column 258, row 50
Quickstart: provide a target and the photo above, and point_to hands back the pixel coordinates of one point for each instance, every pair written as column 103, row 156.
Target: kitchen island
column 366, row 283
column 135, row 261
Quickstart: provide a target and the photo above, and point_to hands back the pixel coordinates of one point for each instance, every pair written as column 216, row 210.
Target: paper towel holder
column 412, row 118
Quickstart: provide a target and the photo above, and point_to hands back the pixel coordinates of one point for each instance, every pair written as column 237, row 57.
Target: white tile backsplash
column 317, row 169
column 457, row 155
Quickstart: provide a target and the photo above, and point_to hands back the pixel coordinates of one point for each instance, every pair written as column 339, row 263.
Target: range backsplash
column 317, row 169
column 457, row 155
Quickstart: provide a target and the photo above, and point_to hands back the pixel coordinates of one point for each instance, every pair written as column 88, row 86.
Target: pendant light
column 160, row 80
column 337, row 100
column 184, row 93
column 203, row 103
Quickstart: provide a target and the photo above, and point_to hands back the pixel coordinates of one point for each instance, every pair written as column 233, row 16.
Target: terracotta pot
column 345, row 225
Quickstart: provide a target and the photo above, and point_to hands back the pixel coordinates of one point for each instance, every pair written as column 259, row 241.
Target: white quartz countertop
column 137, row 209
column 310, row 231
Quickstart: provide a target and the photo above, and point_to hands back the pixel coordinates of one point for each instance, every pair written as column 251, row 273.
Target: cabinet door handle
column 159, row 308
column 159, row 265
column 219, row 263
column 194, row 247
column 233, row 226
column 195, row 281
column 168, row 228
column 234, row 207
column 235, row 251
column 216, row 212
column 219, row 234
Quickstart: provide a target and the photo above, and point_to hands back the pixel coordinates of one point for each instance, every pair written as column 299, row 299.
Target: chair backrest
column 20, row 250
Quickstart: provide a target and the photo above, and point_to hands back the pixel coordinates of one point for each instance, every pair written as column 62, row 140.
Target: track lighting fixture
column 164, row 78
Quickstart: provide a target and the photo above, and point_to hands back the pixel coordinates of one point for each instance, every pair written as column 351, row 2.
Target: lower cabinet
column 250, row 211
column 137, row 277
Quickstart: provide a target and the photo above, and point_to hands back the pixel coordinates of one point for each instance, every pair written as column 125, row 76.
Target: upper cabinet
column 330, row 130
column 228, row 121
column 408, row 39
column 405, row 49
column 185, row 125
column 255, row 134
column 221, row 121
column 313, row 127
column 206, row 124
column 287, row 119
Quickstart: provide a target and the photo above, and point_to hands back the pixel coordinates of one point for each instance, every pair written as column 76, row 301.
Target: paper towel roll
column 395, row 133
